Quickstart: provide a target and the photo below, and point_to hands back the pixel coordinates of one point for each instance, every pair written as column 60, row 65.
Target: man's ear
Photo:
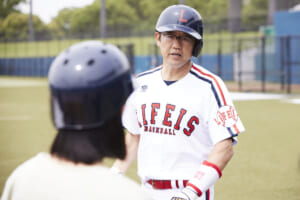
column 157, row 38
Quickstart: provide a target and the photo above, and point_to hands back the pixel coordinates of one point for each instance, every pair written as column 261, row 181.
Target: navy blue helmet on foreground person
column 89, row 83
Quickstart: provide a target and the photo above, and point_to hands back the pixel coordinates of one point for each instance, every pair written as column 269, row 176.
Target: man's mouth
column 175, row 54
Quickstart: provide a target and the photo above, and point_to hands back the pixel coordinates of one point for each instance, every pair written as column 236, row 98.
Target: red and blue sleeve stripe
column 149, row 71
column 216, row 89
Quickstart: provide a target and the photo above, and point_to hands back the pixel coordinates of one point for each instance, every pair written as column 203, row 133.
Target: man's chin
column 177, row 65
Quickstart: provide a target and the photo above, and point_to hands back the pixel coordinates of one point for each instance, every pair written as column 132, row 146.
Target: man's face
column 176, row 47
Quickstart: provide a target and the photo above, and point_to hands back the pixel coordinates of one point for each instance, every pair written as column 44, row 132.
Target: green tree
column 16, row 27
column 60, row 25
column 8, row 6
column 254, row 14
column 85, row 22
column 213, row 13
column 128, row 17
column 120, row 15
column 152, row 9
column 149, row 12
column 1, row 29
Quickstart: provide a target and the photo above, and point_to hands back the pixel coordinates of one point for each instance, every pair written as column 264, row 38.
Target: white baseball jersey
column 43, row 177
column 179, row 123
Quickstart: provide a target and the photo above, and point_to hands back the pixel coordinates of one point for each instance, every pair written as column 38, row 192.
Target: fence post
column 240, row 64
column 6, row 66
column 156, row 55
column 288, row 61
column 263, row 63
column 282, row 63
column 200, row 59
column 131, row 56
column 219, row 58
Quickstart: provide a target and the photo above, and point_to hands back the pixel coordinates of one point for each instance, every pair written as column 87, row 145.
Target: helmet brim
column 178, row 27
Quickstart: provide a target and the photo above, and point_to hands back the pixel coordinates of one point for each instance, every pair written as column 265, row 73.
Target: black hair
column 91, row 146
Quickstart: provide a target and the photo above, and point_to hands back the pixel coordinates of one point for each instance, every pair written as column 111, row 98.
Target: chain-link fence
column 262, row 64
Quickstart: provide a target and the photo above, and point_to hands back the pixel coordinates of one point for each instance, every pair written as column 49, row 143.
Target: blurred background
column 251, row 44
column 254, row 45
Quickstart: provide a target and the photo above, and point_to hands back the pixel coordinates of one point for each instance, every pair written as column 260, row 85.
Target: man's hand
column 178, row 198
column 185, row 194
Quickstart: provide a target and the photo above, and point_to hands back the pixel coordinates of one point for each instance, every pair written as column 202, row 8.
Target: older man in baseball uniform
column 181, row 122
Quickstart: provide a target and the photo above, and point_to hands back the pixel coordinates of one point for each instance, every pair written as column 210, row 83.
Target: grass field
column 266, row 164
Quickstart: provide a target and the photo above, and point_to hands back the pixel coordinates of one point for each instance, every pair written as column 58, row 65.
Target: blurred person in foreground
column 181, row 122
column 89, row 82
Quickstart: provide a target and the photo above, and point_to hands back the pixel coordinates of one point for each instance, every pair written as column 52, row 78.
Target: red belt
column 165, row 184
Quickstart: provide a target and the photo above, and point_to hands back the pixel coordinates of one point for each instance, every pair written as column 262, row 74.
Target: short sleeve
column 224, row 121
column 129, row 115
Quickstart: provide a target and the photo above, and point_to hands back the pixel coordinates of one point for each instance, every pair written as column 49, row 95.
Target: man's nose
column 177, row 41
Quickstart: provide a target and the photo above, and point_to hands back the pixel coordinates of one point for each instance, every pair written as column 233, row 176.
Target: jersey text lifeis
column 168, row 128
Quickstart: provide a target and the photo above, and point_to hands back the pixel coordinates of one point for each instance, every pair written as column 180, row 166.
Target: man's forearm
column 221, row 153
column 132, row 142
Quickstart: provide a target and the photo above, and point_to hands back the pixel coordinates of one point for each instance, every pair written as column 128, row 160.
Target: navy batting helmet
column 185, row 19
column 89, row 83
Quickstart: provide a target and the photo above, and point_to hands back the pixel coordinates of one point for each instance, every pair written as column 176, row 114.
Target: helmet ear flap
column 197, row 48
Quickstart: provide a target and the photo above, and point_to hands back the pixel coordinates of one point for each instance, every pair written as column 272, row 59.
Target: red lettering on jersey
column 157, row 130
column 227, row 117
column 166, row 131
column 153, row 112
column 182, row 113
column 199, row 175
column 218, row 123
column 181, row 17
column 143, row 113
column 140, row 125
column 231, row 113
column 191, row 125
column 168, row 114
column 222, row 117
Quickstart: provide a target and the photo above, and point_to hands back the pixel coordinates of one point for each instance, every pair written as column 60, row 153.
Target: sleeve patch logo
column 226, row 116
column 144, row 88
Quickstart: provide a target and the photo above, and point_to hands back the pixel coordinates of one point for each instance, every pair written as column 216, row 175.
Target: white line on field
column 14, row 118
column 21, row 83
column 239, row 96
column 285, row 98
column 294, row 101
